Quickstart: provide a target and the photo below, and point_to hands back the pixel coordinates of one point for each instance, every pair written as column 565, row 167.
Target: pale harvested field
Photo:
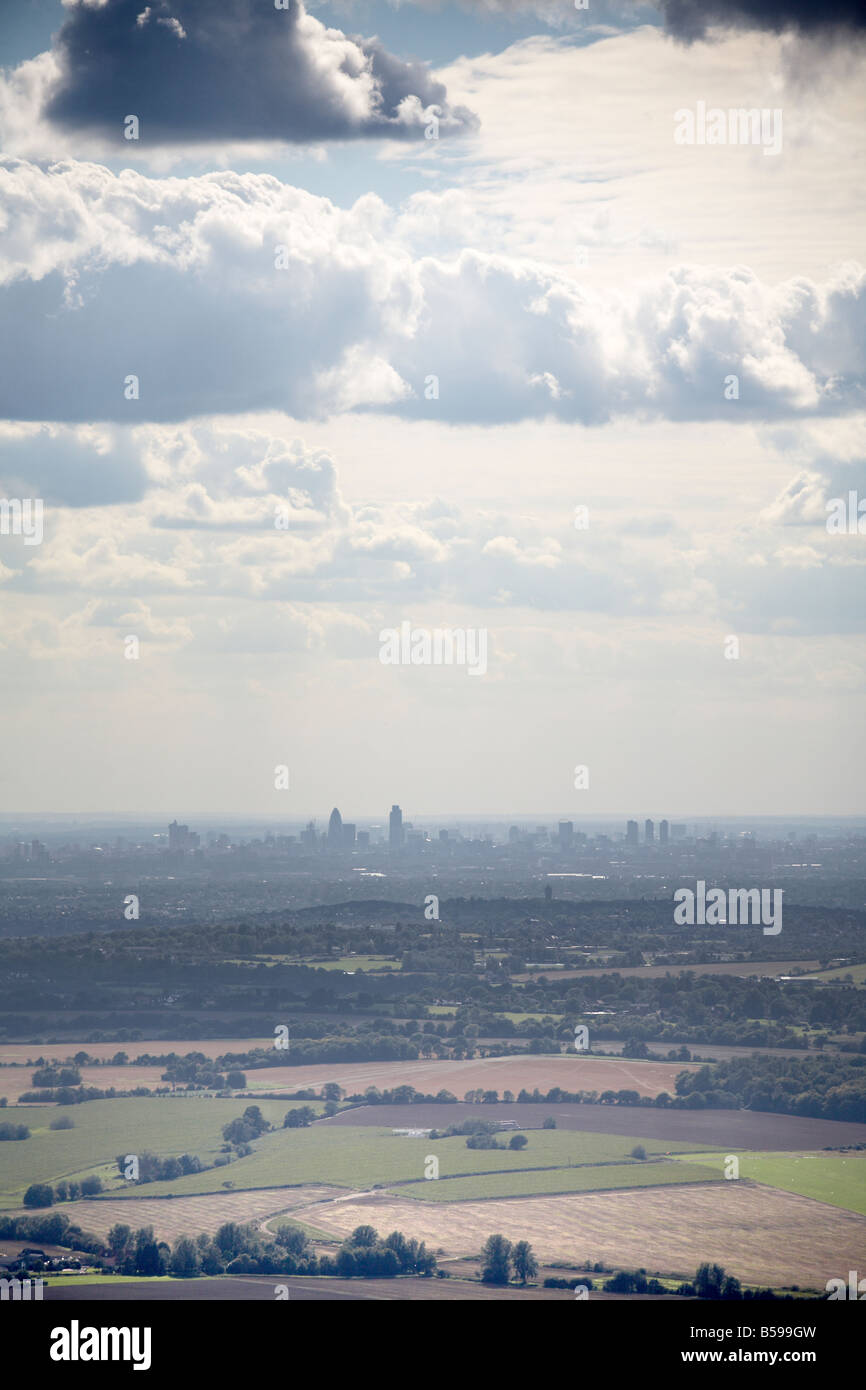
column 187, row 1216
column 214, row 1047
column 15, row 1081
column 758, row 1233
column 570, row 1071
column 768, row 969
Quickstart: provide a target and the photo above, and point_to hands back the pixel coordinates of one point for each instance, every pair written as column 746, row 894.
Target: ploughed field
column 751, row 1129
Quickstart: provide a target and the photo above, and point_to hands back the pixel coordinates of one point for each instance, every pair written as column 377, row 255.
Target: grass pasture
column 838, row 1179
column 366, row 1157
column 103, row 1129
column 602, row 1178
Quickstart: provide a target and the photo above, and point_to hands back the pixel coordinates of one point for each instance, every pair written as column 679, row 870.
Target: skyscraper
column 631, row 833
column 395, row 827
column 663, row 832
column 649, row 831
column 566, row 834
column 335, row 830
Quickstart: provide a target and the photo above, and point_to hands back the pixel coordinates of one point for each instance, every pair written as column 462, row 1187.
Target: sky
column 400, row 311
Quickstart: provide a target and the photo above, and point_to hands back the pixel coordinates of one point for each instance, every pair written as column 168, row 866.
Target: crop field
column 354, row 1158
column 857, row 973
column 761, row 968
column 838, row 1179
column 190, row 1215
column 674, row 1129
column 571, row 1071
column 105, row 1128
column 761, row 1235
column 603, row 1178
column 25, row 1054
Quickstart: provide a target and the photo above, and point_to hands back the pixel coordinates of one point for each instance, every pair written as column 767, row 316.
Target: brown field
column 14, row 1081
column 261, row 1287
column 761, row 968
column 178, row 1216
column 762, row 1235
column 737, row 1129
column 214, row 1047
column 570, row 1071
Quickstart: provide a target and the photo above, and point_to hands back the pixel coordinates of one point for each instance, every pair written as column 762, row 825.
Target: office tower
column 363, row 839
column 308, row 836
column 395, row 827
column 348, row 835
column 649, row 831
column 566, row 834
column 631, row 833
column 513, row 834
column 178, row 836
column 663, row 832
column 335, row 830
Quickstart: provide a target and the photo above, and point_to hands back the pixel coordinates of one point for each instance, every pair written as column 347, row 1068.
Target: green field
column 857, row 973
column 536, row 1018
column 362, row 1157
column 838, row 1179
column 105, row 1128
column 605, row 1178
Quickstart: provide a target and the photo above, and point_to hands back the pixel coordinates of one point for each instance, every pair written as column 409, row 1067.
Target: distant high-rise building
column 513, row 834
column 335, row 830
column 308, row 836
column 178, row 836
column 363, row 839
column 679, row 832
column 631, row 833
column 649, row 831
column 395, row 827
column 348, row 835
column 566, row 834
column 664, row 829
column 443, row 837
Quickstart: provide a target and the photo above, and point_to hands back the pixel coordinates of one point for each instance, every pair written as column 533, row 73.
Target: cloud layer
column 193, row 72
column 229, row 293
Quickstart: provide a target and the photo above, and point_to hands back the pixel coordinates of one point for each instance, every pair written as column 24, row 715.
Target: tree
column 518, row 1141
column 496, row 1254
column 118, row 1239
column 39, row 1194
column 709, row 1281
column 549, row 1123
column 525, row 1263
column 364, row 1235
column 147, row 1258
column 184, row 1260
column 236, row 1080
column 91, row 1186
column 638, row 1151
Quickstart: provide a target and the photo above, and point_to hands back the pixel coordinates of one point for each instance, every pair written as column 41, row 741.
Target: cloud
column 228, row 293
column 193, row 72
column 692, row 19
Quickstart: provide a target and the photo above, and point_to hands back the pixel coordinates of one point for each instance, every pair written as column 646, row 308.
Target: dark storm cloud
column 690, row 19
column 195, row 70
